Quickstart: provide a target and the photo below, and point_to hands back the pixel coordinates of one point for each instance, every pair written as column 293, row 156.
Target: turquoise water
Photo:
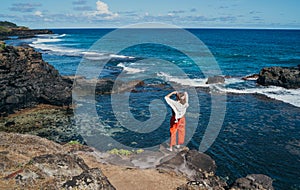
column 260, row 132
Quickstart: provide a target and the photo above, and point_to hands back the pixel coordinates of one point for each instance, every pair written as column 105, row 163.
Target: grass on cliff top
column 4, row 29
column 8, row 24
column 123, row 152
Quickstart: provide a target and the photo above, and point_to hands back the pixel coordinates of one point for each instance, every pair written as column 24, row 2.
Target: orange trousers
column 174, row 127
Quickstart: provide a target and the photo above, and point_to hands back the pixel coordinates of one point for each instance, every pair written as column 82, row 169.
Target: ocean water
column 260, row 131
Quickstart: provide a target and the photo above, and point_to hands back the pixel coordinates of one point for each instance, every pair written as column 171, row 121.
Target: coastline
column 112, row 166
column 46, row 164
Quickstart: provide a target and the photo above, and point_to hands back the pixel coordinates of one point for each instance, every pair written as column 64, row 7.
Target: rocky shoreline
column 31, row 162
column 11, row 30
column 26, row 80
column 287, row 77
column 34, row 162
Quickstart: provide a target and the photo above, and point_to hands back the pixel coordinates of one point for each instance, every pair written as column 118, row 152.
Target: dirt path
column 127, row 178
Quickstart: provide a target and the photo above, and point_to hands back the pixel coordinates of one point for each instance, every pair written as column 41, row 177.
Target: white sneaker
column 170, row 149
column 178, row 146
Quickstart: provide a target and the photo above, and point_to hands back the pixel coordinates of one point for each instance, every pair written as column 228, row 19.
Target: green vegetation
column 74, row 142
column 2, row 46
column 4, row 29
column 8, row 24
column 139, row 151
column 123, row 152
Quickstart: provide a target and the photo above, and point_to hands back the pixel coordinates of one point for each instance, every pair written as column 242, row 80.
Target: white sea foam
column 130, row 70
column 46, row 40
column 121, row 56
column 51, row 35
column 42, row 44
column 291, row 96
column 184, row 81
column 233, row 80
column 57, row 49
column 62, row 35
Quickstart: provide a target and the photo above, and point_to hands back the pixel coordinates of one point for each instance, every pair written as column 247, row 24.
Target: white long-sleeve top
column 178, row 108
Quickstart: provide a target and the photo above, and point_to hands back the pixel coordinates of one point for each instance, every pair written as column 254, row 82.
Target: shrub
column 123, row 152
column 2, row 46
column 73, row 142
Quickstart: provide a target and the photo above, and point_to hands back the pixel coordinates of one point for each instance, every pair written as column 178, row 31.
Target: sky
column 182, row 13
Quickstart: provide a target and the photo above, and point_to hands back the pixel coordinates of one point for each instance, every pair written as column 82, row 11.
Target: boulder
column 85, row 86
column 89, row 179
column 253, row 182
column 280, row 76
column 215, row 80
column 198, row 167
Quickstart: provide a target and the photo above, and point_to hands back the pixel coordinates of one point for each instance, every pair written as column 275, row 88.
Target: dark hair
column 181, row 97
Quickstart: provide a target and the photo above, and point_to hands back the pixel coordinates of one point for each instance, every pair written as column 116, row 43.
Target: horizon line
column 242, row 28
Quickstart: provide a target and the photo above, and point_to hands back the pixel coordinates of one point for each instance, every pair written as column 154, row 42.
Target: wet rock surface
column 26, row 80
column 280, row 76
column 215, row 80
column 52, row 122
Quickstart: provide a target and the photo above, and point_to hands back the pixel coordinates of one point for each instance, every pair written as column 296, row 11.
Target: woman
column 177, row 122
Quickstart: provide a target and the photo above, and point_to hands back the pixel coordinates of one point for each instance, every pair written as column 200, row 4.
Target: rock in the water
column 215, row 80
column 251, row 77
column 253, row 182
column 280, row 76
column 26, row 80
column 200, row 161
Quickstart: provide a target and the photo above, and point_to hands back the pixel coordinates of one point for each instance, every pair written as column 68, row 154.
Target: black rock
column 23, row 33
column 194, row 165
column 89, row 179
column 253, row 182
column 197, row 160
column 215, row 79
column 198, row 167
column 27, row 80
column 280, row 76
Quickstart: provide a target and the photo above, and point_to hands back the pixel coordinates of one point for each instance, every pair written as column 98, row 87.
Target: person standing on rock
column 177, row 121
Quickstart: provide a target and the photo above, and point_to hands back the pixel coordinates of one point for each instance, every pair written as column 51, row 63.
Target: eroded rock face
column 26, row 80
column 280, row 76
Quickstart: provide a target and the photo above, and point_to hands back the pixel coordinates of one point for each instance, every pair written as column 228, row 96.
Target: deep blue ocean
column 260, row 131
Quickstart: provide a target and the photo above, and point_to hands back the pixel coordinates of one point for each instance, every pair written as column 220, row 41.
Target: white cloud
column 38, row 13
column 102, row 10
